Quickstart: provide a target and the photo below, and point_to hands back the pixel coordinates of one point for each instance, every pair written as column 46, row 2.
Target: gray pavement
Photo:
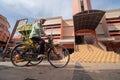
column 74, row 71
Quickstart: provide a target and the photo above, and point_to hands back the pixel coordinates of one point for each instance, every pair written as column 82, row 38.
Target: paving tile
column 93, row 54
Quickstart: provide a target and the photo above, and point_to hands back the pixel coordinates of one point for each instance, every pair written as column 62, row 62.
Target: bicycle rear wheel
column 18, row 55
column 59, row 56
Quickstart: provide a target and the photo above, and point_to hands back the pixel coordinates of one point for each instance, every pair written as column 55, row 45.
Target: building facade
column 113, row 23
column 108, row 30
column 113, row 26
column 80, row 5
column 62, row 30
column 4, row 33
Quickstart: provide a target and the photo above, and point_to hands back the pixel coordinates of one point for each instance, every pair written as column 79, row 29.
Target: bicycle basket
column 25, row 29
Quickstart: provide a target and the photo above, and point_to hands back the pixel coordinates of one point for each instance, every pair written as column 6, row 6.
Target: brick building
column 4, row 33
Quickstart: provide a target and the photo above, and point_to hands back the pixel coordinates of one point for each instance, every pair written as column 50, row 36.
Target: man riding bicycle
column 37, row 32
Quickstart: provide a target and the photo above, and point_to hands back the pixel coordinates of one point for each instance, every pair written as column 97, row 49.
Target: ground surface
column 74, row 71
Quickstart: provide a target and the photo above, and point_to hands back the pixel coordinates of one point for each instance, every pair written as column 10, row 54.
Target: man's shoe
column 40, row 55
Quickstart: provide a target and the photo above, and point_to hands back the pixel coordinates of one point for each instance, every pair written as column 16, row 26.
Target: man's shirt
column 37, row 30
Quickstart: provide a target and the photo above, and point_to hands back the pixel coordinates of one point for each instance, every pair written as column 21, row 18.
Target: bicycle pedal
column 35, row 59
column 40, row 58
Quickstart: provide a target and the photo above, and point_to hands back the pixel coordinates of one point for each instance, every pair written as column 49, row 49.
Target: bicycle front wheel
column 59, row 56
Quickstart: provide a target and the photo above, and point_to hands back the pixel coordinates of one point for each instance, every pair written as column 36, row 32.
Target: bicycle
column 23, row 54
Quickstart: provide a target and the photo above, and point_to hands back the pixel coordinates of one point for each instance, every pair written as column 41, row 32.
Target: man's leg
column 41, row 42
column 42, row 46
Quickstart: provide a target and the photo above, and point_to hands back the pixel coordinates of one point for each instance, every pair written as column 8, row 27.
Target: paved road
column 74, row 71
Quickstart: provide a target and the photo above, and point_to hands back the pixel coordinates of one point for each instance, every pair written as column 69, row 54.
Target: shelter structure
column 86, row 22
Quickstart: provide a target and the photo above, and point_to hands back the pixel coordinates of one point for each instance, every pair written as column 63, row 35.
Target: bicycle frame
column 48, row 45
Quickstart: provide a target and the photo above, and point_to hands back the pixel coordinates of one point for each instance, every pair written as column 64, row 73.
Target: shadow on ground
column 80, row 73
